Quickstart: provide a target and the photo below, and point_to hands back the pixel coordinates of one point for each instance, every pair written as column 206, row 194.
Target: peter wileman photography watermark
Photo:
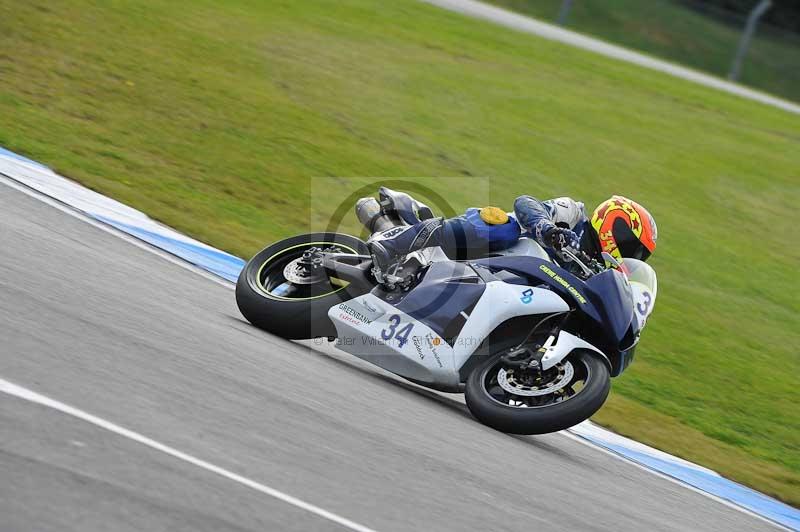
column 354, row 340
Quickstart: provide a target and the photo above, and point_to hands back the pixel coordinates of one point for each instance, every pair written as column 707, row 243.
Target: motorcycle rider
column 618, row 226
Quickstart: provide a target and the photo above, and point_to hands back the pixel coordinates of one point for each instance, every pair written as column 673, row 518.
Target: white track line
column 29, row 395
column 552, row 32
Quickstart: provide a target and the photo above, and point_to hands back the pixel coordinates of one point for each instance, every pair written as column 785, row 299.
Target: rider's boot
column 388, row 246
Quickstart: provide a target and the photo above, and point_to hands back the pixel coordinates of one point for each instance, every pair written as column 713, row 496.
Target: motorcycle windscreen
column 613, row 297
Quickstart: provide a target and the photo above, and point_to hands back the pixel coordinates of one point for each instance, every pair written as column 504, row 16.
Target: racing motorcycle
column 531, row 345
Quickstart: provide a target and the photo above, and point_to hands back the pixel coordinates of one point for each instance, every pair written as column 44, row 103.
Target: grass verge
column 667, row 29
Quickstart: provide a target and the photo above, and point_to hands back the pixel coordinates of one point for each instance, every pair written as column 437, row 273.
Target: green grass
column 215, row 118
column 667, row 29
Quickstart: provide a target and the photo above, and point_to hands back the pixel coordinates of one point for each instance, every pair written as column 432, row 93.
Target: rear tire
column 294, row 318
column 538, row 419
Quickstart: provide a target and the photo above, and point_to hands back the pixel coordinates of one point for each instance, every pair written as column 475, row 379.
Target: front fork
column 533, row 358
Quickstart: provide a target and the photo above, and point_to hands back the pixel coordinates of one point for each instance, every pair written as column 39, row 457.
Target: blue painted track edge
column 709, row 482
column 12, row 155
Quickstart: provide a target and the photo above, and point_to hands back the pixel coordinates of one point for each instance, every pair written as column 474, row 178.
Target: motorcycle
column 532, row 345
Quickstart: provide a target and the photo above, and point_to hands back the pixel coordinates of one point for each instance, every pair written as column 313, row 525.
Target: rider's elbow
column 526, row 204
column 525, row 199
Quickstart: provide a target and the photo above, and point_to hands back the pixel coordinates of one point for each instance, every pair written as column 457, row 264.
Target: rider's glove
column 559, row 238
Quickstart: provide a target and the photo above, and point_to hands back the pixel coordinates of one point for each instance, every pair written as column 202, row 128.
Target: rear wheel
column 284, row 289
column 528, row 402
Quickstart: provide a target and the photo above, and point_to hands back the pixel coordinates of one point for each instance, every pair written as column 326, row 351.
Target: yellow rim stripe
column 338, row 282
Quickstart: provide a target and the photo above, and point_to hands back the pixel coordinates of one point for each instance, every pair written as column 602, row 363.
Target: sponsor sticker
column 369, row 307
column 428, row 345
column 418, row 346
column 527, row 296
column 433, row 342
column 560, row 280
column 349, row 314
column 393, row 232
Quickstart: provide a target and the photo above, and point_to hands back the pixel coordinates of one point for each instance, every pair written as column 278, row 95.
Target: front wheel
column 527, row 402
column 284, row 290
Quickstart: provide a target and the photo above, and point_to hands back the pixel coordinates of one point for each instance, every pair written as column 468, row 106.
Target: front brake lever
column 569, row 254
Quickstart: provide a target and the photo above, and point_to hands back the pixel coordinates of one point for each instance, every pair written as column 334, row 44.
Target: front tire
column 296, row 312
column 490, row 401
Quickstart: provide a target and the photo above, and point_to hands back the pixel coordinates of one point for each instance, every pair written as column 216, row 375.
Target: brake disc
column 306, row 269
column 509, row 382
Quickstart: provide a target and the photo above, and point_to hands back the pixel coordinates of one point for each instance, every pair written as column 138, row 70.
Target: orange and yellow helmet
column 625, row 228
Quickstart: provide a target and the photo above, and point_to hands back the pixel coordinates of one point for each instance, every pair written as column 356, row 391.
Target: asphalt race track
column 101, row 325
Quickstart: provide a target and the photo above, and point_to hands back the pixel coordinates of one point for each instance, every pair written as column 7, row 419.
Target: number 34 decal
column 392, row 330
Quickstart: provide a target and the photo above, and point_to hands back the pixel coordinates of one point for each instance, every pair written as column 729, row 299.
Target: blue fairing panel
column 447, row 289
column 558, row 279
column 605, row 298
column 615, row 299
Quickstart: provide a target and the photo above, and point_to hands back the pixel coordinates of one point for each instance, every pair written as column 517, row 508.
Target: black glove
column 559, row 238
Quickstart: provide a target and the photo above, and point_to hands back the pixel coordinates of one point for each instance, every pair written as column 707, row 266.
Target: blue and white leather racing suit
column 537, row 218
column 469, row 236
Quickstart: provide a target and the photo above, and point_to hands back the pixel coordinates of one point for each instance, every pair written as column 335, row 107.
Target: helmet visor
column 627, row 242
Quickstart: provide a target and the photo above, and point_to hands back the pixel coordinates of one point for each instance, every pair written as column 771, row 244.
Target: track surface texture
column 106, row 327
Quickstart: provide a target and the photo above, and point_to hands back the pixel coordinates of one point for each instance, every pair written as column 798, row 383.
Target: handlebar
column 583, row 261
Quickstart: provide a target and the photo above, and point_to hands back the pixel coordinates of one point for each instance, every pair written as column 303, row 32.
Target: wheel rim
column 517, row 388
column 272, row 280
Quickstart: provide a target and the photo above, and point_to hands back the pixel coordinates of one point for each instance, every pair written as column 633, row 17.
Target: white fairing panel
column 565, row 344
column 500, row 302
column 379, row 333
column 645, row 288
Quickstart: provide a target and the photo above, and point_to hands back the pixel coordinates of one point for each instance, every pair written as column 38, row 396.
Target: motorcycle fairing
column 446, row 290
column 645, row 288
column 612, row 294
column 412, row 334
column 606, row 298
column 376, row 331
column 500, row 303
column 535, row 268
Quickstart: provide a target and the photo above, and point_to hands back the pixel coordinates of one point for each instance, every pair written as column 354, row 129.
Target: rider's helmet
column 625, row 228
